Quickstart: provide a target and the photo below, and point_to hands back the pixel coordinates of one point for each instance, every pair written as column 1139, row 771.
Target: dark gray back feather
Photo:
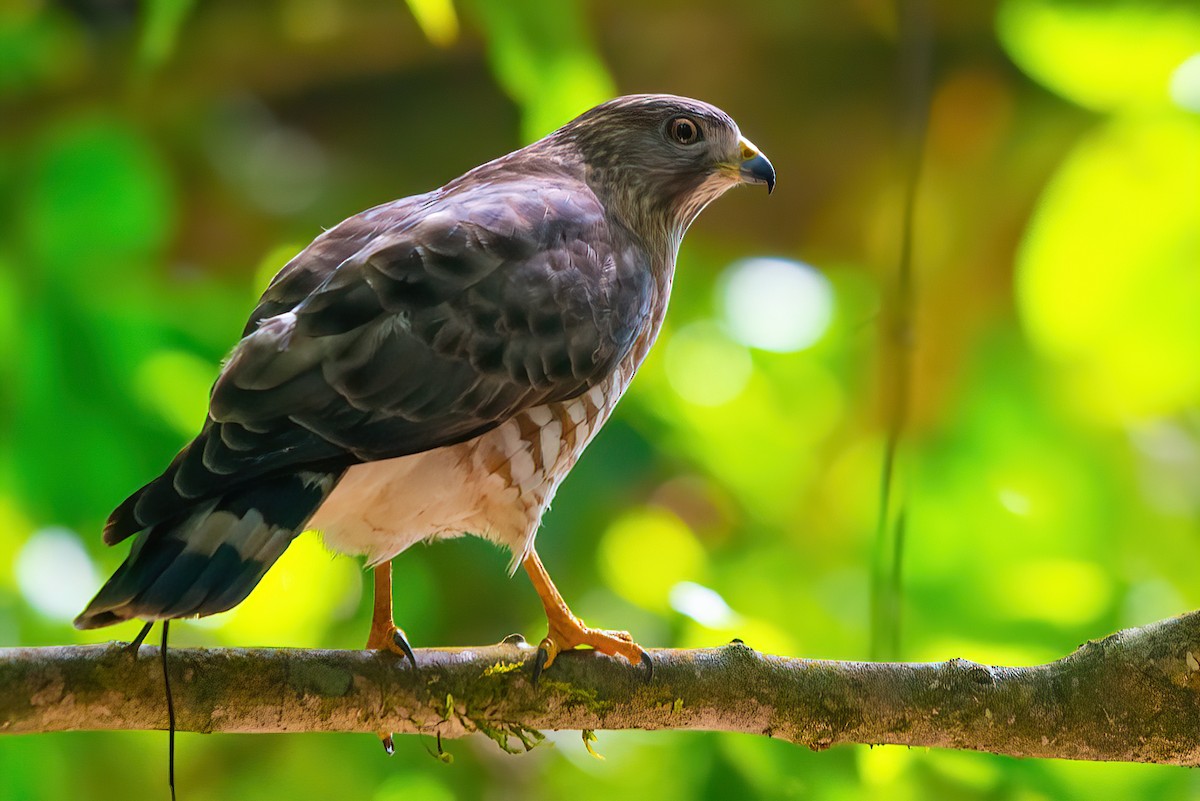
column 413, row 326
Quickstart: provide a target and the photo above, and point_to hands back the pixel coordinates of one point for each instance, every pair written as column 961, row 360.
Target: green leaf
column 589, row 737
column 648, row 551
column 174, row 384
column 1107, row 281
column 543, row 58
column 437, row 19
column 36, row 49
column 162, row 21
column 100, row 201
column 1102, row 55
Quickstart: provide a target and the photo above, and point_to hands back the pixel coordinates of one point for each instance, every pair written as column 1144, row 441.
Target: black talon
column 539, row 664
column 402, row 644
column 649, row 663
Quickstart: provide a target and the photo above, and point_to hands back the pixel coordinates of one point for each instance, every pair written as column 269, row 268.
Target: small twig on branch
column 1132, row 696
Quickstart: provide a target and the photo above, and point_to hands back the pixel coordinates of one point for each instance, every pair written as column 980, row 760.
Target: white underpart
column 495, row 486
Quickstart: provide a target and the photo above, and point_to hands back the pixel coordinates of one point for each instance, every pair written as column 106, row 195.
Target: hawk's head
column 660, row 159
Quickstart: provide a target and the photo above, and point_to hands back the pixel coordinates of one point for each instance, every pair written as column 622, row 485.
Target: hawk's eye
column 684, row 131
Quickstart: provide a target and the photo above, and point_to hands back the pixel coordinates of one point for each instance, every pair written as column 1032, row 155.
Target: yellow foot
column 392, row 639
column 566, row 634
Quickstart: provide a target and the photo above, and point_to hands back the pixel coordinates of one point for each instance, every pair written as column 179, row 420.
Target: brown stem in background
column 915, row 71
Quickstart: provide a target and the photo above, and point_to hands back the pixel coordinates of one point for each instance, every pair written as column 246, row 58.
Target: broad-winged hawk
column 435, row 366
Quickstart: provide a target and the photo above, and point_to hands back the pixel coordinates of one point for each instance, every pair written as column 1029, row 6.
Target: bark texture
column 1132, row 696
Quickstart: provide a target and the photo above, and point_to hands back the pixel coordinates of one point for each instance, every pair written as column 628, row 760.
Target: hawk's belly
column 495, row 486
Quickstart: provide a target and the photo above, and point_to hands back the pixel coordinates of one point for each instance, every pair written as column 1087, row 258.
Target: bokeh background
column 159, row 161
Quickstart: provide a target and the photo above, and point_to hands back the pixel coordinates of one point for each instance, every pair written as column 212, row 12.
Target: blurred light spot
column 701, row 503
column 552, row 70
column 1169, row 466
column 283, row 170
column 645, row 553
column 978, row 771
column 1016, row 502
column 701, row 604
column 971, row 114
column 757, row 633
column 280, row 169
column 1167, row 442
column 1155, row 599
column 407, row 786
column 1060, row 591
column 312, row 20
column 39, row 51
column 882, row 766
column 704, row 366
column 776, row 304
column 986, row 652
column 104, row 182
column 272, row 263
column 55, row 573
column 636, row 751
column 15, row 531
column 844, row 595
column 174, row 384
column 12, row 301
column 160, row 31
column 851, row 483
column 1101, row 55
column 1185, row 84
column 306, row 590
column 1107, row 285
column 437, row 19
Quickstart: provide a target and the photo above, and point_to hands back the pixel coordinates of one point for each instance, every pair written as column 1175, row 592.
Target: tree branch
column 1132, row 696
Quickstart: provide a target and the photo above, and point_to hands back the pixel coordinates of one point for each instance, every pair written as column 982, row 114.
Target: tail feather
column 208, row 559
column 222, row 454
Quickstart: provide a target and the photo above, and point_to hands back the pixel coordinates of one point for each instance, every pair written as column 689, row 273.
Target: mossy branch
column 1133, row 696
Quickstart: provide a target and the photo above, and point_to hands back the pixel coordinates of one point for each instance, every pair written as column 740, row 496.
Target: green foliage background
column 158, row 162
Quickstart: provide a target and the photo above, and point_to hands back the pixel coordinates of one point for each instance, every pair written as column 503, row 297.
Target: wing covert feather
column 416, row 325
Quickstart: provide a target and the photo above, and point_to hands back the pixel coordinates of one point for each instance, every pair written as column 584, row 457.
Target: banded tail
column 208, row 557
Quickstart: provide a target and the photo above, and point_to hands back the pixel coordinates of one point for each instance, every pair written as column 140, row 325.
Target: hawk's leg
column 567, row 631
column 384, row 634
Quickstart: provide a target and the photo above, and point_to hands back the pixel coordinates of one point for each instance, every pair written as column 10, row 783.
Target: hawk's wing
column 414, row 325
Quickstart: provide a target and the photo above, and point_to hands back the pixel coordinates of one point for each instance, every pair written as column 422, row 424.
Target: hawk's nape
column 435, row 366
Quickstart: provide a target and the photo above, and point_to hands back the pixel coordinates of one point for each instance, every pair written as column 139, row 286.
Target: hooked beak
column 755, row 168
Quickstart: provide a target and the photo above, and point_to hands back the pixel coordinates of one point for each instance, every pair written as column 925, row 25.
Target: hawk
column 435, row 366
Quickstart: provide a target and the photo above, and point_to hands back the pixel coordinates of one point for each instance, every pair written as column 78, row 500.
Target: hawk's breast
column 496, row 485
